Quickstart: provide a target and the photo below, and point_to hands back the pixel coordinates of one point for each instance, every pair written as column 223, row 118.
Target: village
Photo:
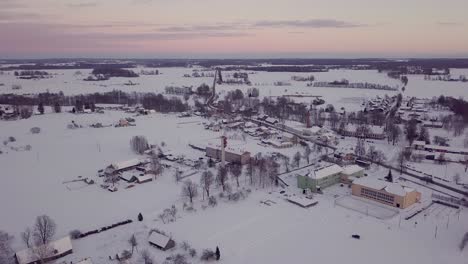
column 144, row 178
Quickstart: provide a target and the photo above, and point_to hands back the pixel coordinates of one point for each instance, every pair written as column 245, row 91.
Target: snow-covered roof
column 327, row 171
column 57, row 247
column 125, row 164
column 314, row 129
column 390, row 187
column 234, row 150
column 146, row 177
column 304, row 202
column 158, row 239
column 419, row 143
column 351, row 169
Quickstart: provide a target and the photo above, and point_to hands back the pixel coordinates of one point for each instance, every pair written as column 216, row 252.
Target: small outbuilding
column 160, row 241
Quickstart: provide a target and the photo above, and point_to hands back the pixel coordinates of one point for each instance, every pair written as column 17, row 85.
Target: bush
column 28, row 148
column 140, row 217
column 207, row 255
column 212, row 201
column 192, row 252
column 11, row 139
column 35, row 130
column 75, row 234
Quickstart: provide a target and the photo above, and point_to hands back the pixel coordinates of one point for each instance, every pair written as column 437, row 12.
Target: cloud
column 311, row 23
column 449, row 24
column 212, row 27
column 83, row 4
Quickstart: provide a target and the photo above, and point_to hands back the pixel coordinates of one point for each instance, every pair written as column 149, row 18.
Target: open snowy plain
column 38, row 182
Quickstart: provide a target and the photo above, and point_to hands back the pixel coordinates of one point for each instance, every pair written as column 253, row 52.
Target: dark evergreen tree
column 218, row 253
column 389, row 177
column 40, row 108
column 140, row 217
column 57, row 107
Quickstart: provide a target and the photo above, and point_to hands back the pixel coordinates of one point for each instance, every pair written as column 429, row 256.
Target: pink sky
column 241, row 28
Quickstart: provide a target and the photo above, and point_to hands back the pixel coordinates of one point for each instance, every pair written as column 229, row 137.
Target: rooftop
column 327, row 171
column 390, row 187
column 351, row 169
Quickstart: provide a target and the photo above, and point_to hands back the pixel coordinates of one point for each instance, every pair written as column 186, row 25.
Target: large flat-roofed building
column 233, row 155
column 320, row 178
column 388, row 193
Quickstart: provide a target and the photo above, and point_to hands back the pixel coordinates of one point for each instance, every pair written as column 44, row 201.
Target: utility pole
column 435, row 234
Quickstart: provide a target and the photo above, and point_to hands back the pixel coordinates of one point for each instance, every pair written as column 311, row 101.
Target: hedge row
column 92, row 232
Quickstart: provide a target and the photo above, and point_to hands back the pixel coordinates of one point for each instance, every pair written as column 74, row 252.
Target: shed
column 161, row 241
column 144, row 178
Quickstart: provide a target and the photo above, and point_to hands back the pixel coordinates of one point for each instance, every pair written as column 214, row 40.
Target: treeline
column 458, row 106
column 114, row 72
column 279, row 68
column 30, row 73
column 46, row 65
column 149, row 100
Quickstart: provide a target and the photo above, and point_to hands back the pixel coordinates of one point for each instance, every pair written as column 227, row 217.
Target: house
column 232, row 154
column 128, row 177
column 144, row 178
column 123, row 122
column 160, row 241
column 320, row 178
column 122, row 166
column 271, row 120
column 52, row 251
column 388, row 193
column 352, row 172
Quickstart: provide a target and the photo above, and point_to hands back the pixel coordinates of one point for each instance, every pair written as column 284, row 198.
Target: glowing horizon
column 221, row 28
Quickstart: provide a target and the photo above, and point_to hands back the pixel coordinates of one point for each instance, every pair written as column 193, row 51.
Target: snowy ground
column 70, row 83
column 247, row 231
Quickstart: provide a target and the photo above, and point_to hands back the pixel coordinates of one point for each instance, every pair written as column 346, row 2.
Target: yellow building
column 388, row 193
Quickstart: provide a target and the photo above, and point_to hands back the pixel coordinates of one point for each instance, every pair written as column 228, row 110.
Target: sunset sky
column 233, row 28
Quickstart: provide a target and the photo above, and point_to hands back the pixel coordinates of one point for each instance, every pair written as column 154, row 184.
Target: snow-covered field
column 37, row 182
column 70, row 83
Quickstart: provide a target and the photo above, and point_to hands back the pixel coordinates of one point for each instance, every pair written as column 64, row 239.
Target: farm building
column 52, row 251
column 122, row 166
column 161, row 241
column 231, row 154
column 144, row 178
column 320, row 178
column 388, row 193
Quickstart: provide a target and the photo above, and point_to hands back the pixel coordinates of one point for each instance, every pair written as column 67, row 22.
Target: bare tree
column 177, row 175
column 190, row 190
column 139, row 144
column 307, row 152
column 222, row 177
column 156, row 166
column 44, row 229
column 401, row 158
column 133, row 243
column 206, row 181
column 297, row 159
column 456, row 178
column 236, row 171
column 26, row 237
column 6, row 252
column 146, row 257
column 42, row 252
